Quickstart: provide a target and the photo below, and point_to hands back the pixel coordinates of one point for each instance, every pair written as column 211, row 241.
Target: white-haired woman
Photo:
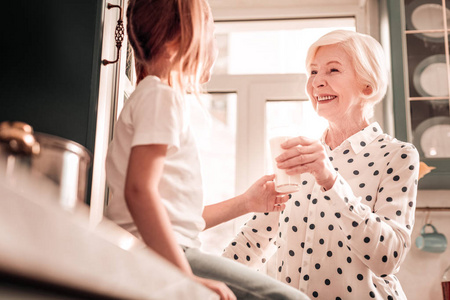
column 346, row 232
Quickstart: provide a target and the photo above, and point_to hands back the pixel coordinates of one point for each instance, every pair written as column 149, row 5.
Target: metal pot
column 44, row 164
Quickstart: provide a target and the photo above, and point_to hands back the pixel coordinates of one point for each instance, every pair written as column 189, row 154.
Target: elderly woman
column 345, row 234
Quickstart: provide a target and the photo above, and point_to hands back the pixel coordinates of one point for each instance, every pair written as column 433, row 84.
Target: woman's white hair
column 368, row 60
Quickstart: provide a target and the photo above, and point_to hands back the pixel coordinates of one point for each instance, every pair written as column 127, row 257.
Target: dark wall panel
column 51, row 67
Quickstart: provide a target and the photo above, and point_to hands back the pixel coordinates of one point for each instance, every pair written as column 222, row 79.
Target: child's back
column 155, row 114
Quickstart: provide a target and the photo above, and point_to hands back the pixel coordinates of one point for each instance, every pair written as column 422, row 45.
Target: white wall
column 421, row 272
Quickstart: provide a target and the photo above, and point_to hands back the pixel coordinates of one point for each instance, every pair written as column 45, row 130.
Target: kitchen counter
column 49, row 250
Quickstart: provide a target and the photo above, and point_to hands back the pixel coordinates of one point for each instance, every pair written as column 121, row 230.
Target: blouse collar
column 359, row 140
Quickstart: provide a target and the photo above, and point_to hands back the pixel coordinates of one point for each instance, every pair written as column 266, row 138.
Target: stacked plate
column 430, row 76
column 433, row 136
column 426, row 15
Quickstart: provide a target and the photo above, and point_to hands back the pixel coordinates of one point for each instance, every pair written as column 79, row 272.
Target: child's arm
column 144, row 203
column 145, row 167
column 260, row 197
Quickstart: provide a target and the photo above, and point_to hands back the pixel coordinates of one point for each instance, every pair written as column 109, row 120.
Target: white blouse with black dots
column 349, row 241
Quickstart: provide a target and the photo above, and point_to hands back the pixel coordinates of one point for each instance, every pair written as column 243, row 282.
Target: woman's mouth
column 325, row 98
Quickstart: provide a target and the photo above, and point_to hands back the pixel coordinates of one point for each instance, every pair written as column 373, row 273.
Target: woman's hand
column 262, row 197
column 305, row 155
column 217, row 287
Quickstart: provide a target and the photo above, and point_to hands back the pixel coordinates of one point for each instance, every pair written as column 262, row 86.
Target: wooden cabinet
column 420, row 69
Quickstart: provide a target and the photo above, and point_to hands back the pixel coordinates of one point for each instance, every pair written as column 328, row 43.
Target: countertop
column 42, row 242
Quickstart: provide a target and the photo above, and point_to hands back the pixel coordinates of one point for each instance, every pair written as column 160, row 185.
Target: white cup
column 284, row 183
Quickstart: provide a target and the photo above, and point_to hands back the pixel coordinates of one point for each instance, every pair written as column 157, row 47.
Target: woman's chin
column 328, row 114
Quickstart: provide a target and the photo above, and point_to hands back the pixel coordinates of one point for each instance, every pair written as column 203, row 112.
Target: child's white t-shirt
column 155, row 114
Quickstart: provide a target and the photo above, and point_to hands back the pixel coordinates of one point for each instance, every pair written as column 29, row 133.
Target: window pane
column 274, row 46
column 299, row 113
column 214, row 125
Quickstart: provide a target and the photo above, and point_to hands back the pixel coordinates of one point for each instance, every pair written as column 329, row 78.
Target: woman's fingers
column 301, row 150
column 305, row 155
column 296, row 141
column 311, row 167
column 298, row 160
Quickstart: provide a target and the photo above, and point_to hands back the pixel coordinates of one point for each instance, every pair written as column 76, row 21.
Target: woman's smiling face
column 333, row 85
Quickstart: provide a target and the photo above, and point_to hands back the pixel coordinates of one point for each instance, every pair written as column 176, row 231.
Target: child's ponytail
column 155, row 24
column 188, row 62
column 139, row 56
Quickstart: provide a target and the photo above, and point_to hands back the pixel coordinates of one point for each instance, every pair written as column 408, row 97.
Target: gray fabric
column 246, row 283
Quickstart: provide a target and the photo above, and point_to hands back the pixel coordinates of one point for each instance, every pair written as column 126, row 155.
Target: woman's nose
column 319, row 80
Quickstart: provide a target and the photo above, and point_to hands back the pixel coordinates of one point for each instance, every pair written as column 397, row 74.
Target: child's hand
column 218, row 287
column 262, row 197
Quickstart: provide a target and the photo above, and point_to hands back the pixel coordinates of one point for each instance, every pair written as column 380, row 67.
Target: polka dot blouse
column 349, row 241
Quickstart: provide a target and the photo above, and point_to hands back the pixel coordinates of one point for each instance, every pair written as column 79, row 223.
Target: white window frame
column 252, row 93
column 365, row 13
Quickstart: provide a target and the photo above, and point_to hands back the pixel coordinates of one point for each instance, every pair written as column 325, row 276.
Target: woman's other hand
column 305, row 155
column 262, row 197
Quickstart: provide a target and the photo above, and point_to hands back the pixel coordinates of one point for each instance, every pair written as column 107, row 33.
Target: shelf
column 427, row 98
column 424, row 31
column 436, row 208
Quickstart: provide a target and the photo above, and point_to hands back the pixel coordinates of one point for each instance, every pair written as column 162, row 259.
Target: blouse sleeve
column 380, row 237
column 254, row 240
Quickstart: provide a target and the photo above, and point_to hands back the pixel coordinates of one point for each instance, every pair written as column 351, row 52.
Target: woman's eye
column 334, row 70
column 313, row 72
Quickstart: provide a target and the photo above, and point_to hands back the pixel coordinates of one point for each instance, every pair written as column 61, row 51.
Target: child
column 152, row 163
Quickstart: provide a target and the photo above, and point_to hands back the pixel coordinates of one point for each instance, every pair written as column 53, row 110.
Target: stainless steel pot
column 44, row 164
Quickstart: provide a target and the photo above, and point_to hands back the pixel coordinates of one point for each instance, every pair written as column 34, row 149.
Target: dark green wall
column 51, row 66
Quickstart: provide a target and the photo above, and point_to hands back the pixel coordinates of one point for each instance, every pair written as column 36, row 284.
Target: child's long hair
column 153, row 24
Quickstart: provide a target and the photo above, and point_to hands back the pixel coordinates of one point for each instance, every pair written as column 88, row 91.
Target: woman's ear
column 367, row 90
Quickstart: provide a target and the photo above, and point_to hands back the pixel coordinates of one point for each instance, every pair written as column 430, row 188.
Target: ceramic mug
column 431, row 242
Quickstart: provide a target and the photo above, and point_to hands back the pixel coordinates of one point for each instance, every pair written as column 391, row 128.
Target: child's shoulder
column 153, row 83
column 152, row 87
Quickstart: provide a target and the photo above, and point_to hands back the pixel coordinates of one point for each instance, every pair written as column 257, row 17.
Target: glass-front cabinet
column 421, row 102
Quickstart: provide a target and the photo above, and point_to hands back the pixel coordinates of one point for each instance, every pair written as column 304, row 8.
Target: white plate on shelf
column 433, row 136
column 426, row 15
column 430, row 77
